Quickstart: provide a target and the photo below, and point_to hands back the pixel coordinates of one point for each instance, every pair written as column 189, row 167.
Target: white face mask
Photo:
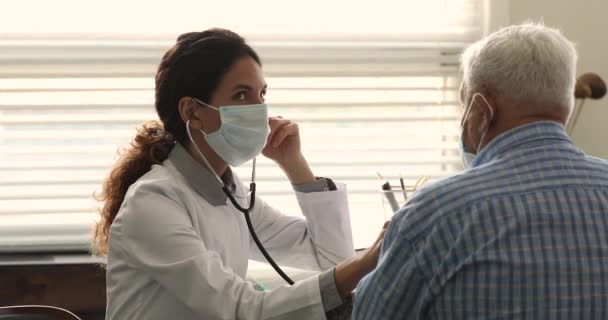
column 242, row 134
column 468, row 157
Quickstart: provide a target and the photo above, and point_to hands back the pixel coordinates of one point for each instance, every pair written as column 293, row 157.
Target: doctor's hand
column 350, row 272
column 283, row 147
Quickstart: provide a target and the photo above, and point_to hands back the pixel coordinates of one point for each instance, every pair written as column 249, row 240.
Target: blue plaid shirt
column 521, row 235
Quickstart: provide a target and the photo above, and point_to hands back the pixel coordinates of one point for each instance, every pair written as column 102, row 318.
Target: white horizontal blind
column 363, row 108
column 365, row 104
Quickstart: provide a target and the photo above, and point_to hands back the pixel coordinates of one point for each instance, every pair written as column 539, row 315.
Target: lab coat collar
column 199, row 177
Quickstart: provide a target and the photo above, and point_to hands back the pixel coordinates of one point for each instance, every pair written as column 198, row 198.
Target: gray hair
column 528, row 64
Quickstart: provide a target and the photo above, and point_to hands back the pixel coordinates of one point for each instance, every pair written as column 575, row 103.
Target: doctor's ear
column 189, row 110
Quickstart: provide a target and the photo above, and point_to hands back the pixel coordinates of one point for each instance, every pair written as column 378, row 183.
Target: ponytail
column 150, row 146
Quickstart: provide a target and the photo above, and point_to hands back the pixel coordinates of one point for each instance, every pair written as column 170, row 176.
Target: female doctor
column 174, row 221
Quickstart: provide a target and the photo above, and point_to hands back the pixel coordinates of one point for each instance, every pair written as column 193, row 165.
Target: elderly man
column 523, row 232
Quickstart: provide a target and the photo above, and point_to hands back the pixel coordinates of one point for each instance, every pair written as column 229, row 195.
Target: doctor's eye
column 240, row 96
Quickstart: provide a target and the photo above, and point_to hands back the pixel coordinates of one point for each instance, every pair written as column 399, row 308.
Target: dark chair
column 35, row 313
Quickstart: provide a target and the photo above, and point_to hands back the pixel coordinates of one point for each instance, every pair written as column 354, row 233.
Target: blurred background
column 373, row 85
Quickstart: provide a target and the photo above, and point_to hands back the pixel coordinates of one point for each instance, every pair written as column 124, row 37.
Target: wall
column 585, row 23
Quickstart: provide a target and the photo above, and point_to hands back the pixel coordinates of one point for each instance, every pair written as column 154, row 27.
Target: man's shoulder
column 461, row 185
column 495, row 180
column 431, row 204
column 597, row 161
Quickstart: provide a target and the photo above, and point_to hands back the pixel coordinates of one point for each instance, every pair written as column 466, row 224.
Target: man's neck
column 504, row 126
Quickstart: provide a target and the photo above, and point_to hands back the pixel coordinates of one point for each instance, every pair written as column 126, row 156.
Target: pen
column 402, row 187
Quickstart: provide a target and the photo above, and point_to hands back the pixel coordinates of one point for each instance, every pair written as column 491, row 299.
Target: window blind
column 365, row 104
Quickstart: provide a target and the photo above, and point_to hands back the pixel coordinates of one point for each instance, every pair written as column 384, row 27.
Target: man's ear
column 485, row 120
column 189, row 110
column 487, row 103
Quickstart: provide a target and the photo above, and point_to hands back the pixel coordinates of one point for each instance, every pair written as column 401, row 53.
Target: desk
column 76, row 281
column 69, row 280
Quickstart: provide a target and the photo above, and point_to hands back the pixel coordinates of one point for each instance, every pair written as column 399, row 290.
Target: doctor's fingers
column 380, row 239
column 274, row 123
column 283, row 132
column 382, row 233
column 372, row 253
column 386, row 224
column 277, row 126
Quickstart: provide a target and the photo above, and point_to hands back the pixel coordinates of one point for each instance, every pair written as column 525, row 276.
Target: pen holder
column 395, row 197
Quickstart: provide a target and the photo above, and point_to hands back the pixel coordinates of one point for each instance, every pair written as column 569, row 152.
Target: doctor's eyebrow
column 247, row 87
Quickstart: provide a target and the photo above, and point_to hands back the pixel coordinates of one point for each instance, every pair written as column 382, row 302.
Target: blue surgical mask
column 468, row 157
column 242, row 134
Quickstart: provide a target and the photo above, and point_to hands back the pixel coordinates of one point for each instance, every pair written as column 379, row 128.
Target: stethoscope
column 245, row 211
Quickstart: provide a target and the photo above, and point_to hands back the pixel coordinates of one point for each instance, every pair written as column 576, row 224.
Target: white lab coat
column 174, row 255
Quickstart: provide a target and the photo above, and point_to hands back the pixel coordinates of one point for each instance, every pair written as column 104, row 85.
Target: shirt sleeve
column 159, row 239
column 319, row 241
column 327, row 280
column 343, row 312
column 322, row 184
column 329, row 292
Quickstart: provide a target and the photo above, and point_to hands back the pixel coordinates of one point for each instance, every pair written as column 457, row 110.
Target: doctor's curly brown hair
column 193, row 67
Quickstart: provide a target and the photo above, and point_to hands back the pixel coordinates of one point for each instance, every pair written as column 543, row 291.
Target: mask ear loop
column 204, row 104
column 465, row 118
column 219, row 180
column 491, row 118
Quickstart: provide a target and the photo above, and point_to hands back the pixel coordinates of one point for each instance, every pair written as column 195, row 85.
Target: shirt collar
column 199, row 177
column 531, row 133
